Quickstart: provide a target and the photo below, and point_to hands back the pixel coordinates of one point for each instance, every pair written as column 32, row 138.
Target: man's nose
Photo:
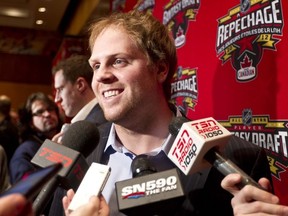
column 57, row 97
column 104, row 74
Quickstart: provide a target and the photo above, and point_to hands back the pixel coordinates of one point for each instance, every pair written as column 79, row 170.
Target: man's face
column 67, row 94
column 123, row 83
column 44, row 118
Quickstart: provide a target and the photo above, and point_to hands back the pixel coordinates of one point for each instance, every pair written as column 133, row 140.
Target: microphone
column 141, row 165
column 149, row 192
column 198, row 145
column 30, row 186
column 80, row 139
column 92, row 184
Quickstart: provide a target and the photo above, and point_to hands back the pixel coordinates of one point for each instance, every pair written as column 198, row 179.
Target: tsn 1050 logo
column 208, row 128
column 147, row 188
column 193, row 139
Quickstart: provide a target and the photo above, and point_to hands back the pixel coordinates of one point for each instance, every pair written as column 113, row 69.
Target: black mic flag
column 78, row 142
column 150, row 192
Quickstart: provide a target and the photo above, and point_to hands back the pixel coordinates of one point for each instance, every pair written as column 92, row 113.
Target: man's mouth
column 111, row 93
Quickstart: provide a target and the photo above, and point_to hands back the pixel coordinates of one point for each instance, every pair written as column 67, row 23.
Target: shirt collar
column 114, row 143
column 83, row 113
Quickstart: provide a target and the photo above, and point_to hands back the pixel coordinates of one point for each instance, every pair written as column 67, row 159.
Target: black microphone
column 31, row 186
column 78, row 142
column 149, row 192
column 141, row 165
column 198, row 145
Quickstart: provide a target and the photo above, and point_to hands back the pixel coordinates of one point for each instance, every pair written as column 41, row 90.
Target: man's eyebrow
column 59, row 87
column 91, row 61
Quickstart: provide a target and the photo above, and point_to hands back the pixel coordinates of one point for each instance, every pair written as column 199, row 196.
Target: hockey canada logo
column 245, row 32
column 176, row 17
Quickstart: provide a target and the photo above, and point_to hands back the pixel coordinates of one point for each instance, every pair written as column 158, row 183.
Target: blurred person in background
column 72, row 83
column 4, row 174
column 39, row 120
column 9, row 137
column 14, row 117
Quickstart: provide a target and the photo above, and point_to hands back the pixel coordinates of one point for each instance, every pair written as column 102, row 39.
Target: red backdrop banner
column 232, row 65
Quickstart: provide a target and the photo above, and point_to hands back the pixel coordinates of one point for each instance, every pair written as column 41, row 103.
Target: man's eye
column 118, row 61
column 59, row 89
column 96, row 66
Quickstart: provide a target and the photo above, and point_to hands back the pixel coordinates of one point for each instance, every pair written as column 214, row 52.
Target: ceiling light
column 39, row 22
column 14, row 12
column 42, row 9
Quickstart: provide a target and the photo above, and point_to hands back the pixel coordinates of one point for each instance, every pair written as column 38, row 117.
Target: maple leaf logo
column 180, row 32
column 246, row 62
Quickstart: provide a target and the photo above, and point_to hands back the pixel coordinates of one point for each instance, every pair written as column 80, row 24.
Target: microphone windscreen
column 141, row 165
column 176, row 124
column 82, row 136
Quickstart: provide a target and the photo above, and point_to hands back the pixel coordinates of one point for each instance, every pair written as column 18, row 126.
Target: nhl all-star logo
column 264, row 132
column 145, row 5
column 244, row 5
column 246, row 32
column 118, row 5
column 247, row 117
column 176, row 17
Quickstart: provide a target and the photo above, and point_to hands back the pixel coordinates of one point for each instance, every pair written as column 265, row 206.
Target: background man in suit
column 72, row 82
column 133, row 59
column 40, row 120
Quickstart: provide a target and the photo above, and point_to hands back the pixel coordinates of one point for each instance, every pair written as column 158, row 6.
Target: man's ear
column 81, row 84
column 163, row 70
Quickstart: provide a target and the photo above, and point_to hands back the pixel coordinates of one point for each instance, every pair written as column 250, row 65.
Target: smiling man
column 133, row 59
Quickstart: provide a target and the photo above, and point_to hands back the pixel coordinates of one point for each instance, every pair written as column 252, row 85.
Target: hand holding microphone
column 243, row 201
column 96, row 206
column 198, row 145
column 58, row 137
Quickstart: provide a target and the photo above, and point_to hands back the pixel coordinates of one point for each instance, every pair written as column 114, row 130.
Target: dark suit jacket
column 20, row 165
column 204, row 195
column 96, row 115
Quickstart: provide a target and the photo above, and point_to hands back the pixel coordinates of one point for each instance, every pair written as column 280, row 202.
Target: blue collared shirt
column 120, row 159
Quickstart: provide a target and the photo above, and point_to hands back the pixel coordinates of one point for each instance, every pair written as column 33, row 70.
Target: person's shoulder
column 96, row 115
column 28, row 145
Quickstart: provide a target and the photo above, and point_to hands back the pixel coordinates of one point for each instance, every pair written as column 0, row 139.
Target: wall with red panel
column 232, row 66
